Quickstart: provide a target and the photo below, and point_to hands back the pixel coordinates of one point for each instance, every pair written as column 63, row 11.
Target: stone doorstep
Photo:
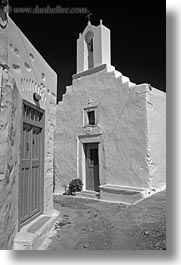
column 88, row 194
column 121, row 194
column 115, row 194
column 121, row 188
column 25, row 240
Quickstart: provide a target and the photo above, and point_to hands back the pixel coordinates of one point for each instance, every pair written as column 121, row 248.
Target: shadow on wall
column 56, row 178
column 55, row 174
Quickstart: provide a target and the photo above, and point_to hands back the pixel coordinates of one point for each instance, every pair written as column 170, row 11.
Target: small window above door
column 90, row 117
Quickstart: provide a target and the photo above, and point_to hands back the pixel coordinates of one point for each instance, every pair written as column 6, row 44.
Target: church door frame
column 92, row 166
column 33, row 122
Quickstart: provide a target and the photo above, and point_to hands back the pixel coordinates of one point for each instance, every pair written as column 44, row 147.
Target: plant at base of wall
column 75, row 185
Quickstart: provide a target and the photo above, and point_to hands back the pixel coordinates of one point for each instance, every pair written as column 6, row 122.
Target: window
column 91, row 117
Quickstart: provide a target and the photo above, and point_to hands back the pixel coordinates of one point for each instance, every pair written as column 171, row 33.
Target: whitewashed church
column 110, row 132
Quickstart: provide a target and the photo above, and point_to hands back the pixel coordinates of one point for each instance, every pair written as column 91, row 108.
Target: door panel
column 92, row 167
column 26, row 147
column 34, row 190
column 24, row 213
column 35, row 181
column 25, row 172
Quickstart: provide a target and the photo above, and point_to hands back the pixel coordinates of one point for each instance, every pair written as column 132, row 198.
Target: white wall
column 122, row 129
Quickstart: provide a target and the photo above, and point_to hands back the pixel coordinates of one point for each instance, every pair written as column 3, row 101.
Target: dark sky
column 137, row 36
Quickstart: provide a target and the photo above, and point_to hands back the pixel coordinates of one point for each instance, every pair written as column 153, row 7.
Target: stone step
column 31, row 236
column 88, row 194
column 120, row 194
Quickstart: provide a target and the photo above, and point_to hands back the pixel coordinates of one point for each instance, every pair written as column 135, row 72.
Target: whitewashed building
column 28, row 88
column 110, row 132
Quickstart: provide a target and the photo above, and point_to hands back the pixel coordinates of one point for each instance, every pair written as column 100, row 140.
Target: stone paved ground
column 88, row 224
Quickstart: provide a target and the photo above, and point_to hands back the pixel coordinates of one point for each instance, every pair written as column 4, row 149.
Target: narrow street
column 96, row 225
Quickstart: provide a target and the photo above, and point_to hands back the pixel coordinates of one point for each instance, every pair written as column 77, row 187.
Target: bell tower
column 93, row 47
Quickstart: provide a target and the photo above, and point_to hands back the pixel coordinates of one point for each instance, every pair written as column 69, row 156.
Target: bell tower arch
column 90, row 48
column 93, row 47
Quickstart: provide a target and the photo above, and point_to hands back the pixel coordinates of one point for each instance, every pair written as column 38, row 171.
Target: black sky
column 137, row 37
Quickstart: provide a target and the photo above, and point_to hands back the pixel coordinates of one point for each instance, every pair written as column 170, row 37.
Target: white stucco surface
column 101, row 47
column 123, row 129
column 34, row 75
column 24, row 72
column 156, row 122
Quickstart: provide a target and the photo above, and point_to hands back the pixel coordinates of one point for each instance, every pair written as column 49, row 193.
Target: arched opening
column 89, row 41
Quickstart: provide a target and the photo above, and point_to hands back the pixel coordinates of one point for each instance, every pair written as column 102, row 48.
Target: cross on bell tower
column 88, row 16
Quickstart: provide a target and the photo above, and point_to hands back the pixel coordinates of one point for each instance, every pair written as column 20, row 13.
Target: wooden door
column 31, row 164
column 92, row 167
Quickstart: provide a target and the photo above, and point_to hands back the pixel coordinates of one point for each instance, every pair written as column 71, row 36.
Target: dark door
column 92, row 167
column 31, row 169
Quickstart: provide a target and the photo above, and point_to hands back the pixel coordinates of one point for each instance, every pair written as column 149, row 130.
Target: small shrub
column 75, row 185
